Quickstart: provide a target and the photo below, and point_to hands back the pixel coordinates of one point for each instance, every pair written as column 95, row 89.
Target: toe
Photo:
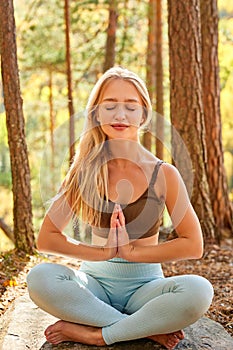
column 53, row 338
column 172, row 341
column 48, row 331
column 179, row 334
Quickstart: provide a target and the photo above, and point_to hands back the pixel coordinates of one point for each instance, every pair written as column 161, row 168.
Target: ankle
column 99, row 340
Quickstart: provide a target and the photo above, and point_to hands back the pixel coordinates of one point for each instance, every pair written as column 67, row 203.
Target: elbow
column 198, row 251
column 49, row 242
column 201, row 252
column 42, row 245
column 198, row 255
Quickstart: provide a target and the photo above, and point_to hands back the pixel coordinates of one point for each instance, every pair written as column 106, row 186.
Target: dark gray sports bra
column 143, row 216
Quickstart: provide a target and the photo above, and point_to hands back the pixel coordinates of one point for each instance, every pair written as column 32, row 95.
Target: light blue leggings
column 127, row 300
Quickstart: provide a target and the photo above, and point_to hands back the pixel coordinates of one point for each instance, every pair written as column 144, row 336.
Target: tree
column 51, row 120
column 125, row 30
column 216, row 176
column 23, row 227
column 150, row 64
column 154, row 74
column 111, row 36
column 186, row 105
column 159, row 81
column 69, row 79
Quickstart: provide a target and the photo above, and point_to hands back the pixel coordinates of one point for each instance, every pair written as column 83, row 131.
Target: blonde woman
column 120, row 189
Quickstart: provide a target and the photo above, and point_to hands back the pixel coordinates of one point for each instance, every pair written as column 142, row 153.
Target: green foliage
column 38, row 31
column 41, row 54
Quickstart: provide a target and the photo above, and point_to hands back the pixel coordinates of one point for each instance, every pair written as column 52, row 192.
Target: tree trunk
column 159, row 81
column 186, row 105
column 23, row 228
column 51, row 129
column 150, row 66
column 111, row 36
column 126, row 25
column 216, row 176
column 51, row 119
column 69, row 80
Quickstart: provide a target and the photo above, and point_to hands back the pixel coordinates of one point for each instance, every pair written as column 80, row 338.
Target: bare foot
column 168, row 340
column 67, row 331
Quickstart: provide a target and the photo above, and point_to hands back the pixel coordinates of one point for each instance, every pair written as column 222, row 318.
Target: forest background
column 47, row 97
column 62, row 49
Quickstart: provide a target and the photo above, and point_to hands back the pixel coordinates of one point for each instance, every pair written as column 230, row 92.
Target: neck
column 121, row 152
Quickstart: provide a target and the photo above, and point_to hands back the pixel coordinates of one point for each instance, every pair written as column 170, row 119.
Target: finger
column 121, row 229
column 121, row 216
column 114, row 217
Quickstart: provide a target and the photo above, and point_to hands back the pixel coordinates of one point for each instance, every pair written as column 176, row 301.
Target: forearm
column 59, row 244
column 177, row 249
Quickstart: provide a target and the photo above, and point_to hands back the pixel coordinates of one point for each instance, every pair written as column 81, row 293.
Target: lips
column 119, row 126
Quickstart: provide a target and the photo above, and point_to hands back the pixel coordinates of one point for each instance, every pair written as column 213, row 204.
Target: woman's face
column 120, row 110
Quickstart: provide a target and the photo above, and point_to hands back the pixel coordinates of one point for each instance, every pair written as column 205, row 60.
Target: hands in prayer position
column 118, row 242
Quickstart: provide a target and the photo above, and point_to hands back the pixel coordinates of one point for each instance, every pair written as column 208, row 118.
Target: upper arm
column 56, row 219
column 183, row 216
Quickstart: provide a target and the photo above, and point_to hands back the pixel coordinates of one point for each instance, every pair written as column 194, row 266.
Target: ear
column 144, row 117
column 143, row 120
column 97, row 116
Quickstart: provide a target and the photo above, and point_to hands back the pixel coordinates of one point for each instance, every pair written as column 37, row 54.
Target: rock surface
column 22, row 327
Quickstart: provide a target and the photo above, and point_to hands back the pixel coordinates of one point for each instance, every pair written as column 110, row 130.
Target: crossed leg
column 157, row 310
column 66, row 331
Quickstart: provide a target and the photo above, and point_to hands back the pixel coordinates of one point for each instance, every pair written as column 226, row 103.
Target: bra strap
column 155, row 172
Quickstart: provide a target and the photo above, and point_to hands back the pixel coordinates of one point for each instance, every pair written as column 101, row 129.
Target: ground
column 216, row 265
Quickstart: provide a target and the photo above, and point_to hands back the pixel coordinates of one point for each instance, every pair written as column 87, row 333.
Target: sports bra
column 143, row 216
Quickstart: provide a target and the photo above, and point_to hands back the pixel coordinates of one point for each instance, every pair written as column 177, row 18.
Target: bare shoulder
column 169, row 180
column 170, row 172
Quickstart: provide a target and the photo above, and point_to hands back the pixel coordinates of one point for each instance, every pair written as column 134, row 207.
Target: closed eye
column 132, row 107
column 110, row 108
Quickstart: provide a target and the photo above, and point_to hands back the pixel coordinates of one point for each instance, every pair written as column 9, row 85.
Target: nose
column 120, row 112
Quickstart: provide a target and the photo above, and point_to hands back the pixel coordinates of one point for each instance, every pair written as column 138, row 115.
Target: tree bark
column 216, row 175
column 22, row 210
column 51, row 120
column 69, row 80
column 126, row 25
column 150, row 67
column 111, row 36
column 186, row 104
column 159, row 81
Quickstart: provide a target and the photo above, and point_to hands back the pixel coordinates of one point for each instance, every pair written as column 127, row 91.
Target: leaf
column 10, row 283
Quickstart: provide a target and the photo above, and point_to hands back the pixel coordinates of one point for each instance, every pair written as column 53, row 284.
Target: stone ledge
column 23, row 325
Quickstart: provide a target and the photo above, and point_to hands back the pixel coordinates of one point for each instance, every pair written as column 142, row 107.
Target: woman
column 120, row 189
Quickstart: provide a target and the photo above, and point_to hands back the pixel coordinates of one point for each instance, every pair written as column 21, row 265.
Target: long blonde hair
column 86, row 183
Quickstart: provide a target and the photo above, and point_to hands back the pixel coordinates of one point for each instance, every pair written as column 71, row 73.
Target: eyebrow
column 111, row 99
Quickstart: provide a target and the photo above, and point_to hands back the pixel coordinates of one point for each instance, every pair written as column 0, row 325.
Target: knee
column 36, row 278
column 200, row 295
column 41, row 280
